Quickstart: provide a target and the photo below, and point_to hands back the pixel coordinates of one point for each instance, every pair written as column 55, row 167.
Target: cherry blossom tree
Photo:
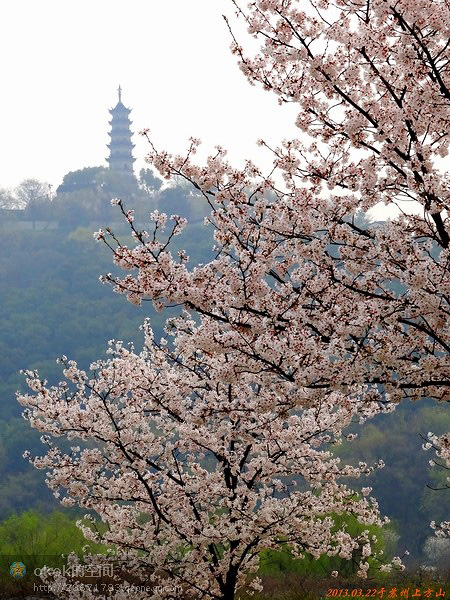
column 195, row 468
column 305, row 318
column 316, row 297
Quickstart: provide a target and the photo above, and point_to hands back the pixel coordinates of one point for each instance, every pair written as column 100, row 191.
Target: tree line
column 85, row 195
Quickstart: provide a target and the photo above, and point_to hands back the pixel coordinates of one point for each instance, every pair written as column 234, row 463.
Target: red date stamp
column 393, row 592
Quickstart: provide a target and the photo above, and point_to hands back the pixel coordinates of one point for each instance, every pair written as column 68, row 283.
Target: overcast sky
column 62, row 62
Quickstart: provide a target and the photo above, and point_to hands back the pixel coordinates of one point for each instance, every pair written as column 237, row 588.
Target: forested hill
column 52, row 303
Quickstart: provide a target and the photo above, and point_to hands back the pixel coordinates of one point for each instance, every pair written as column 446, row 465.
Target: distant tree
column 81, row 179
column 34, row 196
column 85, row 194
column 78, row 208
column 114, row 185
column 7, row 199
column 101, row 180
column 437, row 550
column 175, row 200
column 148, row 181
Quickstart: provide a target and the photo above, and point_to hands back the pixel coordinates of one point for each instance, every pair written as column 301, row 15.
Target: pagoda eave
column 120, row 159
column 122, row 144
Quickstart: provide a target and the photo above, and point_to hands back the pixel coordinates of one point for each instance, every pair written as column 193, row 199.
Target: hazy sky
column 62, row 62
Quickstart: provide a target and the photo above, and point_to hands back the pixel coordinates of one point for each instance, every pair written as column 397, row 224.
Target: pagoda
column 120, row 149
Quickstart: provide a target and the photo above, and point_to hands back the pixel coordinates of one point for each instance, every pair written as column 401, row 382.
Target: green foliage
column 275, row 562
column 80, row 179
column 37, row 539
column 401, row 487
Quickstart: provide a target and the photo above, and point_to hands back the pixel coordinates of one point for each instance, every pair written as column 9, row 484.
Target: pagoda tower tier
column 121, row 158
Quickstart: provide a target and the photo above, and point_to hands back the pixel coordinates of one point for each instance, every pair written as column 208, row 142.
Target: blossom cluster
column 209, row 469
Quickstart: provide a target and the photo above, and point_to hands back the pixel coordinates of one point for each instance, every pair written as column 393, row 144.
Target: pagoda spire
column 121, row 147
